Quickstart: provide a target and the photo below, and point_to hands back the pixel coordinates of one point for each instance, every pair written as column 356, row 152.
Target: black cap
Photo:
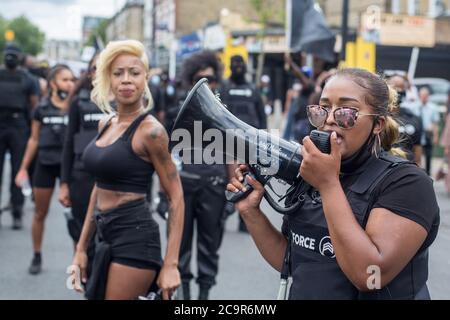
column 13, row 49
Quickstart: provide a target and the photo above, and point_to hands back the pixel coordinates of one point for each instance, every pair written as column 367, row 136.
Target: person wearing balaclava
column 48, row 129
column 241, row 97
column 245, row 102
column 18, row 93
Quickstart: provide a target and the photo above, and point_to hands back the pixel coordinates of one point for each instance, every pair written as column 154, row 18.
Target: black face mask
column 401, row 96
column 11, row 61
column 62, row 94
column 238, row 72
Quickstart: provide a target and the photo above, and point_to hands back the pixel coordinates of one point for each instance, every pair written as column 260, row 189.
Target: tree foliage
column 27, row 35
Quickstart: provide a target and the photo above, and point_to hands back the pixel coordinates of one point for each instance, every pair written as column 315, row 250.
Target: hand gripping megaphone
column 222, row 136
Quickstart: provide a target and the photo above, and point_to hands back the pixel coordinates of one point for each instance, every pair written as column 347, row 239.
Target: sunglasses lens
column 345, row 117
column 317, row 115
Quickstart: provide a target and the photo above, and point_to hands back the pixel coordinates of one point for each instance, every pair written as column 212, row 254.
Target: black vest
column 89, row 116
column 13, row 94
column 315, row 271
column 242, row 101
column 51, row 135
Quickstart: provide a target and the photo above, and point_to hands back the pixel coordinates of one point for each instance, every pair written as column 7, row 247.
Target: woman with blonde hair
column 130, row 146
column 367, row 218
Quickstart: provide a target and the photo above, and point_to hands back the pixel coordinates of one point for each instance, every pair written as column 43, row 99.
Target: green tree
column 27, row 35
column 3, row 25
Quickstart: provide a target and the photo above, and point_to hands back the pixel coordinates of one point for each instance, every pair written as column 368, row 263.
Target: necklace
column 130, row 113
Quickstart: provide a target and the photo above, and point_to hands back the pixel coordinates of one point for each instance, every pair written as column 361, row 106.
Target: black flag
column 308, row 30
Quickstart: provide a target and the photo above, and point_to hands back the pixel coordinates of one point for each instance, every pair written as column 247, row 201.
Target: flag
column 307, row 30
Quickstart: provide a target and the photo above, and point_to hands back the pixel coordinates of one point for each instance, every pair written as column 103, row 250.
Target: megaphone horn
column 202, row 112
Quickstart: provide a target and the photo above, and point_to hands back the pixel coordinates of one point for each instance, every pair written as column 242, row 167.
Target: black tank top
column 117, row 167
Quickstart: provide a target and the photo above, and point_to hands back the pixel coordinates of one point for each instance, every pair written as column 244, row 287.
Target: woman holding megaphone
column 368, row 217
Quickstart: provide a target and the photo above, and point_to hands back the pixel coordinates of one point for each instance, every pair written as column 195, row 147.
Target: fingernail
column 241, row 178
column 244, row 189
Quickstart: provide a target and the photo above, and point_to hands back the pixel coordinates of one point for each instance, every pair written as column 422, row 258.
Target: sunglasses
column 211, row 79
column 345, row 117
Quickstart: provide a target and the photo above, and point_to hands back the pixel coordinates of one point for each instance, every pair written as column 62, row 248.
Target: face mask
column 238, row 72
column 401, row 96
column 11, row 61
column 62, row 94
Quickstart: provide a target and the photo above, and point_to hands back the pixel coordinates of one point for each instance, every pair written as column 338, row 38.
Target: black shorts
column 45, row 176
column 126, row 235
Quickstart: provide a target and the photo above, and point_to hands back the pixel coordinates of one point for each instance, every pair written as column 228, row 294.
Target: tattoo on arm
column 172, row 175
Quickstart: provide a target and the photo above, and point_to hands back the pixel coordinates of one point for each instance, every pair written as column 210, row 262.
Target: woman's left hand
column 169, row 280
column 318, row 169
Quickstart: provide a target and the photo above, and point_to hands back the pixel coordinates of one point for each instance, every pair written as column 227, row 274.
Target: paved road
column 243, row 272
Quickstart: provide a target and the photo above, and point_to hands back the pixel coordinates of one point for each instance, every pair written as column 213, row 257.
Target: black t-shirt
column 407, row 191
column 32, row 84
column 410, row 127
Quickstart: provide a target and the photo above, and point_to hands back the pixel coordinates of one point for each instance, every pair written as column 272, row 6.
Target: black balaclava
column 238, row 69
column 12, row 56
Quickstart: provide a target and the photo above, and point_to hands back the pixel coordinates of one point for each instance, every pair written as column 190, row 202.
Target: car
column 439, row 89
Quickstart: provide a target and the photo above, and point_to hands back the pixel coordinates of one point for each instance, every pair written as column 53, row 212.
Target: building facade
column 127, row 23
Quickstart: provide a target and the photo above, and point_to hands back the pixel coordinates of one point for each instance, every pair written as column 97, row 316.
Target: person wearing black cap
column 18, row 92
column 244, row 101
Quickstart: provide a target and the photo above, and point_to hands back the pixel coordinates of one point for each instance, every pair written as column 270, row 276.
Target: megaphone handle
column 238, row 196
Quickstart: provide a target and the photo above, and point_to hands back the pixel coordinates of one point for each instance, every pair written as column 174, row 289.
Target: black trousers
column 80, row 188
column 13, row 139
column 428, row 152
column 204, row 207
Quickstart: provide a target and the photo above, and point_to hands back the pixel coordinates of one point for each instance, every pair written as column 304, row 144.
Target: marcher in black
column 76, row 183
column 241, row 97
column 244, row 101
column 46, row 141
column 410, row 128
column 18, row 95
column 368, row 217
column 204, row 195
column 130, row 146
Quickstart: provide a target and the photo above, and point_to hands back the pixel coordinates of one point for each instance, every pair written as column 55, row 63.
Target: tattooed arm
column 156, row 143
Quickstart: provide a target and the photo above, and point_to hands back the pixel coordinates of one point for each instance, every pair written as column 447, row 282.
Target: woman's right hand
column 252, row 201
column 64, row 195
column 79, row 264
column 21, row 176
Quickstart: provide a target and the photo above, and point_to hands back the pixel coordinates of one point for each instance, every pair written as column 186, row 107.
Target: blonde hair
column 102, row 82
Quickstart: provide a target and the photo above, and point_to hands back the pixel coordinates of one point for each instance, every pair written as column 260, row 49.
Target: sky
column 59, row 19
